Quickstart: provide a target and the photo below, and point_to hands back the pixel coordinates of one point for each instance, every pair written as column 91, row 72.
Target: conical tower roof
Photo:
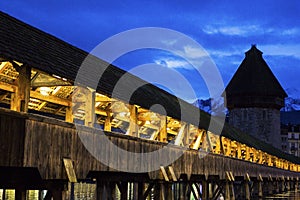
column 254, row 82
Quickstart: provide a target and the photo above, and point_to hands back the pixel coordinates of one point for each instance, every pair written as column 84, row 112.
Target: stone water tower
column 254, row 98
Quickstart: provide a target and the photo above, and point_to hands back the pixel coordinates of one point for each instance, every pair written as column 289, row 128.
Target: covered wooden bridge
column 46, row 121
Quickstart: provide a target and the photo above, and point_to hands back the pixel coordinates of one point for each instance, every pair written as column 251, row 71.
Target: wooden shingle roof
column 254, row 78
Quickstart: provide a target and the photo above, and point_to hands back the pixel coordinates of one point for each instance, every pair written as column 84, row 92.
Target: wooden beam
column 180, row 136
column 103, row 98
column 51, row 99
column 3, row 96
column 3, row 65
column 8, row 87
column 42, row 105
column 154, row 135
column 197, row 143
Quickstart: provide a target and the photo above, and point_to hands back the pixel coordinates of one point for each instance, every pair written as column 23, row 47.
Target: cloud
column 281, row 50
column 232, row 30
column 173, row 63
column 193, row 52
column 188, row 57
column 291, row 31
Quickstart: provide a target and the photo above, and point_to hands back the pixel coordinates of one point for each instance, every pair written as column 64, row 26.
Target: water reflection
column 285, row 196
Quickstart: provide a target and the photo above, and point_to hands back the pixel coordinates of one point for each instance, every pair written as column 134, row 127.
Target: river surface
column 87, row 192
column 285, row 196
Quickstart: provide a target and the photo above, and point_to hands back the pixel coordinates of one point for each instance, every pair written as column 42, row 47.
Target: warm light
column 56, row 90
column 45, row 91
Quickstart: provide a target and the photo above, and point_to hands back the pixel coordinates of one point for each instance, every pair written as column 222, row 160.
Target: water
column 285, row 196
column 85, row 191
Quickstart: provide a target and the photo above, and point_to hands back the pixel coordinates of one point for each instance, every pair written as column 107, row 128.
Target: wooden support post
column 107, row 123
column 101, row 191
column 89, row 108
column 20, row 99
column 247, row 153
column 231, row 188
column 162, row 190
column 204, row 190
column 247, row 188
column 260, row 157
column 69, row 114
column 210, row 145
column 162, row 136
column 58, row 194
column 260, row 191
column 186, row 139
column 270, row 187
column 227, row 190
column 259, row 185
column 124, row 191
column 133, row 126
column 282, row 185
column 182, row 192
column 20, row 194
column 210, row 190
column 239, row 151
column 168, row 191
column 288, row 186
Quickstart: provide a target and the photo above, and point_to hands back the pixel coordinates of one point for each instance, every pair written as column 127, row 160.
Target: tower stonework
column 254, row 98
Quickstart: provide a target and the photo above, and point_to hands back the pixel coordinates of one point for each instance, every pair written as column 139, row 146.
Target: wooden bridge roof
column 42, row 51
column 24, row 43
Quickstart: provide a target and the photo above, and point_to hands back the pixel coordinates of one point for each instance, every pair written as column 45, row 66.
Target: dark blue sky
column 225, row 29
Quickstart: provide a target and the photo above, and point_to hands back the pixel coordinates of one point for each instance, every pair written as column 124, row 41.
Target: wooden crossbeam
column 51, row 99
column 197, row 143
column 180, row 136
column 42, row 105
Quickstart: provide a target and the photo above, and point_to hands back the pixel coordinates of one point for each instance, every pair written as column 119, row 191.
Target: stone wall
column 262, row 123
